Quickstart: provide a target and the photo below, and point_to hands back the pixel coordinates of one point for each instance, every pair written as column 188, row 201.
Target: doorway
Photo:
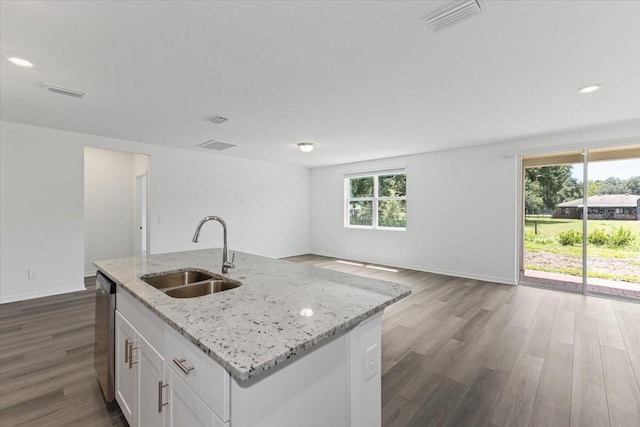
column 580, row 223
column 116, row 198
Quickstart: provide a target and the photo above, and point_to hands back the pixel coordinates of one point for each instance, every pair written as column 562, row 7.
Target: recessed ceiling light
column 589, row 89
column 306, row 147
column 20, row 62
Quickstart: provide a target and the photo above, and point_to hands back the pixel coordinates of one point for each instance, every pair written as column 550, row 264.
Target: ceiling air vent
column 453, row 14
column 63, row 90
column 216, row 145
column 217, row 120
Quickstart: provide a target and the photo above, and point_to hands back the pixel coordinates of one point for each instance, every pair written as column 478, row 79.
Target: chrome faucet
column 226, row 264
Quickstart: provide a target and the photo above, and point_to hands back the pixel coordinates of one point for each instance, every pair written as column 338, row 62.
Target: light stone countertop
column 257, row 326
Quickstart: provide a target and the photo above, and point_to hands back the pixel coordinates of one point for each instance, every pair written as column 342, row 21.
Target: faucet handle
column 230, row 264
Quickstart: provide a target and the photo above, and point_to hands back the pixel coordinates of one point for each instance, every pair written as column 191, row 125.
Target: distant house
column 607, row 206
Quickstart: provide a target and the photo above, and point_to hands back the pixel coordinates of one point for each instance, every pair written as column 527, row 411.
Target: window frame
column 375, row 199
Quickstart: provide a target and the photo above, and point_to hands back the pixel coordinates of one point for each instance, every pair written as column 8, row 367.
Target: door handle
column 160, row 404
column 183, row 368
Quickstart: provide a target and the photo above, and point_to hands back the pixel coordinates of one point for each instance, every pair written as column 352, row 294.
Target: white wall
column 461, row 206
column 41, row 214
column 109, row 213
column 266, row 205
column 457, row 207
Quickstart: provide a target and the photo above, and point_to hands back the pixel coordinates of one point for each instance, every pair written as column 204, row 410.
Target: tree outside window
column 377, row 201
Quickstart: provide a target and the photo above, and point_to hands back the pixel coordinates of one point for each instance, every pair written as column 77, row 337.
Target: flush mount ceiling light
column 306, row 147
column 21, row 62
column 589, row 89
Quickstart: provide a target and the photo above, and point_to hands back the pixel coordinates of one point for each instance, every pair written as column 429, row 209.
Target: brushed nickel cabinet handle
column 131, row 348
column 185, row 369
column 126, row 350
column 160, row 404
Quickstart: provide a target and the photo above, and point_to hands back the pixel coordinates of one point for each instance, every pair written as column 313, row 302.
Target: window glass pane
column 392, row 213
column 361, row 213
column 392, row 185
column 361, row 187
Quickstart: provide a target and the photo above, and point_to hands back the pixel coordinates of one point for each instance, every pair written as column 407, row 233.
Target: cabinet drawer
column 147, row 323
column 186, row 409
column 206, row 377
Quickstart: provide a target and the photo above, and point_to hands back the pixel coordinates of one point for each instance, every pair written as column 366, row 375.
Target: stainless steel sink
column 177, row 278
column 202, row 289
column 189, row 283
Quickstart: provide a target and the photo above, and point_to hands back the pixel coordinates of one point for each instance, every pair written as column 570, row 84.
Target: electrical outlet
column 372, row 361
column 33, row 273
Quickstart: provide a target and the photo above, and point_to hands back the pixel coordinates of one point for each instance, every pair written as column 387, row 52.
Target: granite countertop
column 258, row 325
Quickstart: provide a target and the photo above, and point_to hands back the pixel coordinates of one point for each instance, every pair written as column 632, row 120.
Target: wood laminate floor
column 457, row 352
column 46, row 364
column 461, row 352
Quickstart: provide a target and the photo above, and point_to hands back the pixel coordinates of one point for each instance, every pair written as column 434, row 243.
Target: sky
column 599, row 171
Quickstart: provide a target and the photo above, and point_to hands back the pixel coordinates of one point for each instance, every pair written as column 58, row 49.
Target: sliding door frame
column 585, row 217
column 633, row 149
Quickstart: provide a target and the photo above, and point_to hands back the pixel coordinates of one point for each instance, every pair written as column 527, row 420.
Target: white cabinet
column 151, row 386
column 188, row 390
column 125, row 376
column 209, row 380
column 139, row 376
column 186, row 408
column 164, row 380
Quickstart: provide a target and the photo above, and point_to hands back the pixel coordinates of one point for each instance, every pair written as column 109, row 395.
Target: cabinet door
column 151, row 393
column 126, row 381
column 186, row 408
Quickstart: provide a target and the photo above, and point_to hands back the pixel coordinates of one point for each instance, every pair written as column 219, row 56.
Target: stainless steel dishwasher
column 104, row 343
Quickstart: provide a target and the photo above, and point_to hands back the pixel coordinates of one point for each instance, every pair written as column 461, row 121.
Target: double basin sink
column 189, row 283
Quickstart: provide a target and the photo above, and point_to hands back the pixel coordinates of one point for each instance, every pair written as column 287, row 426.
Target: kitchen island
column 293, row 345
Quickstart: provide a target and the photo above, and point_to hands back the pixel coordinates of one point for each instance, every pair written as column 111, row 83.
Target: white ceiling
column 363, row 80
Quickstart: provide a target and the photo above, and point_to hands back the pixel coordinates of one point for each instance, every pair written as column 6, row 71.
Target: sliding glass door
column 581, row 228
column 613, row 224
column 552, row 240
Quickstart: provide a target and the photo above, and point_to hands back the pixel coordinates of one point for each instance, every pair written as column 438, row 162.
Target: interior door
column 141, row 231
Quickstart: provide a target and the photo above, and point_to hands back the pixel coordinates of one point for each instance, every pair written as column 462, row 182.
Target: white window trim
column 374, row 199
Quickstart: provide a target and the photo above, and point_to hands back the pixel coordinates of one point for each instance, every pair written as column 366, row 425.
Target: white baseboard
column 40, row 293
column 465, row 275
column 290, row 254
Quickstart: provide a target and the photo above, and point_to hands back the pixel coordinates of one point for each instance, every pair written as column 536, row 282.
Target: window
column 376, row 200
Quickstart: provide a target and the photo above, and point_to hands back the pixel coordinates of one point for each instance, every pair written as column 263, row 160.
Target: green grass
column 546, row 240
column 578, row 272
